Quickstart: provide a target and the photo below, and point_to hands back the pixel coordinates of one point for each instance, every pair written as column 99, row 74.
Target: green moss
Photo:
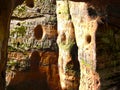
column 16, row 34
column 67, row 46
column 64, row 10
column 20, row 11
column 19, row 30
column 11, row 49
column 86, row 64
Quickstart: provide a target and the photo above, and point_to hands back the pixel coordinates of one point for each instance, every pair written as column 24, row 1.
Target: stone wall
column 32, row 48
column 24, row 22
column 36, row 29
column 23, row 35
column 32, row 29
column 41, row 75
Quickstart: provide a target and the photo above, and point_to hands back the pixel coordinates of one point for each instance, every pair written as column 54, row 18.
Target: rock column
column 66, row 41
column 77, row 17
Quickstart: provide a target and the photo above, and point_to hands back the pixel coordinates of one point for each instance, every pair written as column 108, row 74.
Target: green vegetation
column 19, row 30
column 82, row 61
column 18, row 65
column 20, row 11
column 16, row 35
column 68, row 45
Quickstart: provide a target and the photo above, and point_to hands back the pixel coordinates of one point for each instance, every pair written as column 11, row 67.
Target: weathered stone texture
column 41, row 75
column 84, row 45
column 25, row 25
column 24, row 35
column 66, row 40
column 5, row 15
column 41, row 7
column 73, row 17
column 31, row 30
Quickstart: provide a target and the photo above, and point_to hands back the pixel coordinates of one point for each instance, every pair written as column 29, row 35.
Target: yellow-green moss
column 67, row 46
column 63, row 9
column 82, row 61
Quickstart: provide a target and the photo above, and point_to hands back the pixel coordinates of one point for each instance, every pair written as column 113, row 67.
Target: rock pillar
column 77, row 17
column 66, row 41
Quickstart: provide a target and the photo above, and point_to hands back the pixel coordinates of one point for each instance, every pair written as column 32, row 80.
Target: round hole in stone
column 18, row 24
column 38, row 10
column 59, row 12
column 38, row 32
column 92, row 12
column 88, row 39
column 97, row 82
column 30, row 3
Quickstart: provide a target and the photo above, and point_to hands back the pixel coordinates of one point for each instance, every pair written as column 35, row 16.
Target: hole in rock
column 59, row 12
column 18, row 24
column 88, row 39
column 97, row 82
column 92, row 13
column 38, row 32
column 18, row 44
column 30, row 3
column 38, row 10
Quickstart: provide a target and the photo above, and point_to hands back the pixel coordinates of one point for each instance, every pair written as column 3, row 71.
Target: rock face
column 76, row 26
column 41, row 7
column 96, row 28
column 33, row 27
column 88, row 41
column 33, row 55
column 30, row 34
column 41, row 75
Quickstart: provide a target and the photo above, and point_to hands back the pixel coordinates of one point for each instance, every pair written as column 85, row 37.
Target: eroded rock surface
column 75, row 25
column 41, row 75
column 80, row 38
column 32, row 48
